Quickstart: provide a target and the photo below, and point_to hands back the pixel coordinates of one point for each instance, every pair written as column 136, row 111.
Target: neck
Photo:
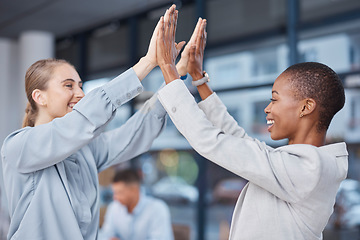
column 133, row 204
column 42, row 118
column 312, row 136
column 40, row 121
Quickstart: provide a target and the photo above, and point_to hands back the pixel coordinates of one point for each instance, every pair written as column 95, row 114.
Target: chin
column 276, row 138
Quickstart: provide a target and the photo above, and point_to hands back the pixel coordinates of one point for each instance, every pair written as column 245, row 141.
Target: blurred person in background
column 133, row 215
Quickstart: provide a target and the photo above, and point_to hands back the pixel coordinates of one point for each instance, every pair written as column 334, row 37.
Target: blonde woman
column 51, row 165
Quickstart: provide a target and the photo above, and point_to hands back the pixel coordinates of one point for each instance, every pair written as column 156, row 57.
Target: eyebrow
column 275, row 92
column 72, row 80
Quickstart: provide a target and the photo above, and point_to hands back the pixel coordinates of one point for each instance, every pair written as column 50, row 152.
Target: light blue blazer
column 51, row 170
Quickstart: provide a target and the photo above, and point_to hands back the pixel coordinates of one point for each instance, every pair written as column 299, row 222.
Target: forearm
column 132, row 138
column 143, row 68
column 64, row 136
column 204, row 91
column 217, row 113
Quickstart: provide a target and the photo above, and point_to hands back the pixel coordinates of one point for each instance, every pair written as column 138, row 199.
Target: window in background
column 233, row 19
column 354, row 38
column 259, row 125
column 147, row 23
column 352, row 123
column 68, row 49
column 333, row 50
column 108, row 47
column 247, row 68
column 311, row 10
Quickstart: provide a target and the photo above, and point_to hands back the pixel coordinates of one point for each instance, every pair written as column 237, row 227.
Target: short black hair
column 127, row 176
column 320, row 82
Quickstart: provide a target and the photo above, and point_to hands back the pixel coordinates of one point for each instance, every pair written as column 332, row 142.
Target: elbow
column 24, row 167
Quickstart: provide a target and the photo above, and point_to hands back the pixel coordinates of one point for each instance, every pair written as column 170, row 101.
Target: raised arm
column 274, row 170
column 181, row 66
column 35, row 148
column 132, row 138
column 149, row 61
column 47, row 144
column 167, row 50
column 196, row 59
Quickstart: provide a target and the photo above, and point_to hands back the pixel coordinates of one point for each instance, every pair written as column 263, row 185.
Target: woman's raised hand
column 196, row 54
column 165, row 32
column 151, row 53
column 167, row 50
column 183, row 62
column 170, row 17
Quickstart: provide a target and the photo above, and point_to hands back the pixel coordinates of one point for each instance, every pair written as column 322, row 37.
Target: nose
column 267, row 109
column 79, row 93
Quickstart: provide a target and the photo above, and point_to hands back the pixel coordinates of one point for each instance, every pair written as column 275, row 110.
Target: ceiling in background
column 64, row 17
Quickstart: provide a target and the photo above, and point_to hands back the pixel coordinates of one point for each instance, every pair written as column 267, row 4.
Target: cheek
column 286, row 116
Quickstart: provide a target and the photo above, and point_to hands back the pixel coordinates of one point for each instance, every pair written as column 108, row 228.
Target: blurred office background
column 249, row 44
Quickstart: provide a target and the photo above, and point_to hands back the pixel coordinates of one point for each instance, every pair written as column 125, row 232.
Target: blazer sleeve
column 281, row 171
column 132, row 138
column 35, row 148
column 217, row 113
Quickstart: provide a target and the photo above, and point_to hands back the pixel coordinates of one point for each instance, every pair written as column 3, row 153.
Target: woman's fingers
column 174, row 23
column 194, row 34
column 179, row 46
column 203, row 35
column 167, row 15
column 169, row 19
column 200, row 38
column 160, row 35
column 192, row 53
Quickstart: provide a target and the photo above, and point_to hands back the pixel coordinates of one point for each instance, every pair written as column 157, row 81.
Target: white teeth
column 71, row 105
column 270, row 122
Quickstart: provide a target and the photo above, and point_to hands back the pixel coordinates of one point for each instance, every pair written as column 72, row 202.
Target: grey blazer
column 51, row 170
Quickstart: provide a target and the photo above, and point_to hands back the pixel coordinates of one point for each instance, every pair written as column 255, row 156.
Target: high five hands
column 167, row 49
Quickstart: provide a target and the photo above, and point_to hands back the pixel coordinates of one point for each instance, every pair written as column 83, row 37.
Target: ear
column 309, row 106
column 39, row 97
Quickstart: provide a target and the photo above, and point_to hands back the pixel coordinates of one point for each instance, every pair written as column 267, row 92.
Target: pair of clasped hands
column 164, row 50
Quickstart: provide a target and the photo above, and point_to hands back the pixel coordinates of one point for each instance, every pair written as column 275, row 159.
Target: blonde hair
column 37, row 77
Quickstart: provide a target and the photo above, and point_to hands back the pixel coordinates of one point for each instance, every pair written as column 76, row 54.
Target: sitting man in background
column 133, row 215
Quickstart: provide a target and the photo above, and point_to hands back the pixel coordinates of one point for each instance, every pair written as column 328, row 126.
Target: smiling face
column 283, row 112
column 62, row 93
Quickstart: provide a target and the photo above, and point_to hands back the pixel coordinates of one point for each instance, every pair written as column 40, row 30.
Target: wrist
column 181, row 67
column 143, row 67
column 169, row 72
column 181, row 71
column 196, row 76
column 205, row 78
column 147, row 61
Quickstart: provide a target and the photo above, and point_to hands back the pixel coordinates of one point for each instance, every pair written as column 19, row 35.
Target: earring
column 301, row 115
